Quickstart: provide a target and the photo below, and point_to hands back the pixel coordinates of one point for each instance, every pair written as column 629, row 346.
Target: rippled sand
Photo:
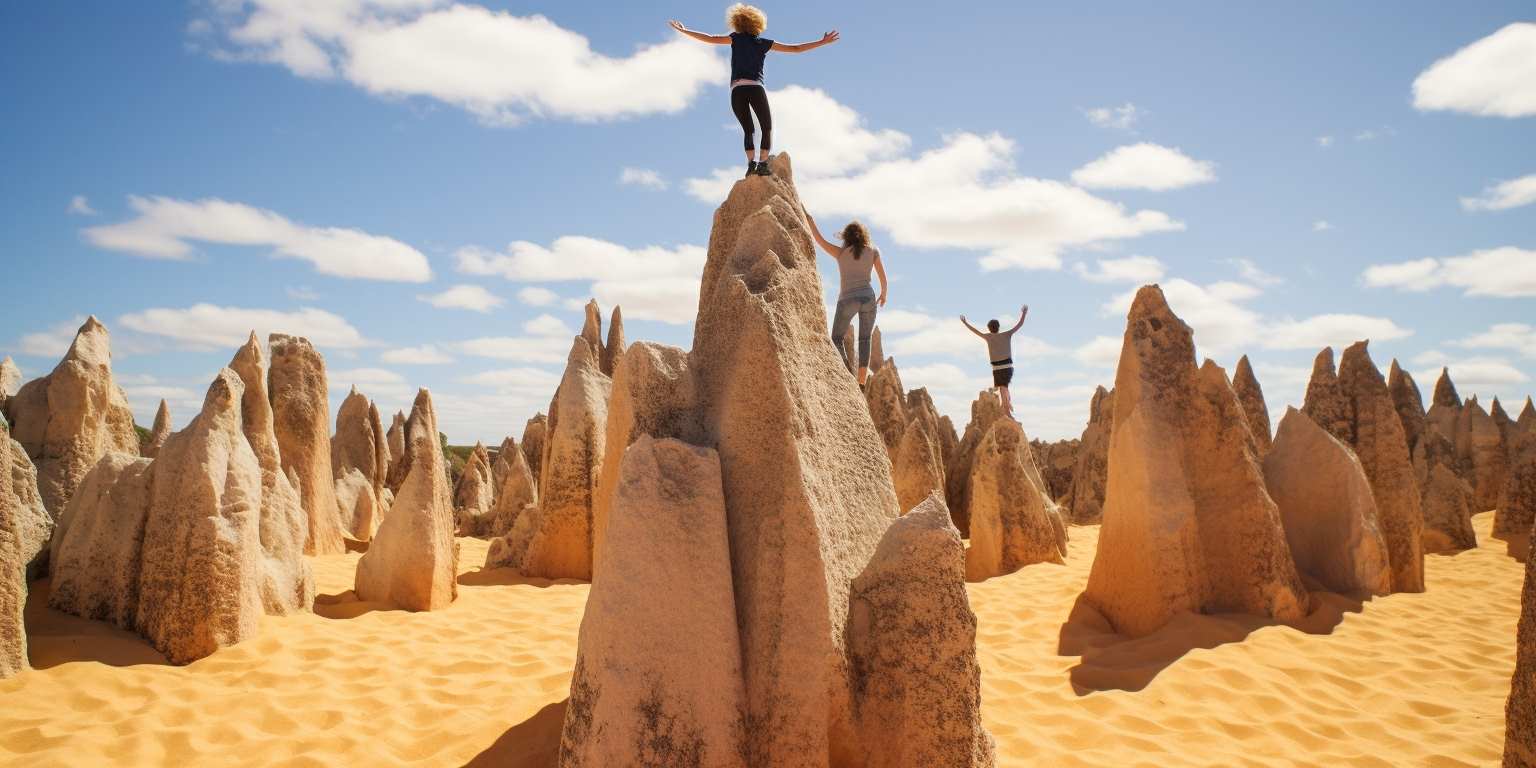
column 1405, row 680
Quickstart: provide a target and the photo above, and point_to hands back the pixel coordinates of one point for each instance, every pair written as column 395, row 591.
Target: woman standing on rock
column 855, row 259
column 748, row 50
column 1000, row 352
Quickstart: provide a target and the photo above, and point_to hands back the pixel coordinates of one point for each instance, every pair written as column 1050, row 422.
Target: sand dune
column 1410, row 679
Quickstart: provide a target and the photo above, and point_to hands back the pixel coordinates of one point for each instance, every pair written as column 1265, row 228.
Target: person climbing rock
column 856, row 258
column 1000, row 352
column 748, row 50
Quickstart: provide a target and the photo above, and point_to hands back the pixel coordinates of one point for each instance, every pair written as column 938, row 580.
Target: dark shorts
column 1002, row 372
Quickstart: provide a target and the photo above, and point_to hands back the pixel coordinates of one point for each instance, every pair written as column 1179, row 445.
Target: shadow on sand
column 345, row 605
column 505, row 577
column 1113, row 662
column 55, row 637
column 533, row 743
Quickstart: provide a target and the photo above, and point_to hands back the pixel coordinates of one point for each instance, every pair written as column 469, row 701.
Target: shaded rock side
column 1327, row 508
column 72, row 417
column 887, row 407
column 151, row 443
column 876, row 351
column 1375, row 433
column 516, row 492
column 394, row 437
column 1517, row 504
column 1085, row 500
column 1014, row 523
column 1520, row 709
column 986, row 410
column 917, row 469
column 25, row 528
column 1446, row 503
column 1480, row 445
column 808, row 490
column 535, row 433
column 475, row 492
column 413, row 561
column 1188, row 525
column 503, row 461
column 614, row 348
column 1408, row 403
column 912, row 641
column 98, row 547
column 1056, row 460
column 1325, row 403
column 296, row 383
column 1445, row 391
column 1251, row 395
column 658, row 676
column 359, row 462
column 1526, row 423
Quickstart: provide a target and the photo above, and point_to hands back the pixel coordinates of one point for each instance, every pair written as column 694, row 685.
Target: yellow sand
column 1409, row 680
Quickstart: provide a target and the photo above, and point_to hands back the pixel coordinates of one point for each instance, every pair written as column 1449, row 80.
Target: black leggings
column 746, row 99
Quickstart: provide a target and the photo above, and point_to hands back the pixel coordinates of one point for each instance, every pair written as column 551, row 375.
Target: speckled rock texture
column 1251, row 395
column 1014, row 523
column 1085, row 501
column 296, row 383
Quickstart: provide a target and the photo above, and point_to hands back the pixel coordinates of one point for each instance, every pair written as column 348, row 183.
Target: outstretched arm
column 1020, row 323
column 971, row 328
column 880, row 270
column 826, row 39
column 700, row 36
column 816, row 233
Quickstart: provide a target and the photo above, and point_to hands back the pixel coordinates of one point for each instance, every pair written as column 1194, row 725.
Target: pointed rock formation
column 592, row 330
column 514, row 495
column 535, row 432
column 395, row 440
column 10, row 378
column 1056, row 461
column 1517, row 504
column 986, row 410
column 474, row 494
column 1014, row 523
column 1445, row 391
column 503, row 461
column 918, row 466
column 1446, row 503
column 1085, row 500
column 300, row 408
column 1372, row 428
column 172, row 547
column 287, row 581
column 1520, row 709
column 555, row 542
column 1408, row 403
column 25, row 527
column 1500, row 417
column 912, row 638
column 1326, row 405
column 413, row 561
column 150, row 444
column 658, row 675
column 1527, row 421
column 1327, row 508
column 1246, row 385
column 1480, row 443
column 1188, row 525
column 887, row 407
column 70, row 418
column 614, row 349
column 359, row 461
column 876, row 351
column 652, row 395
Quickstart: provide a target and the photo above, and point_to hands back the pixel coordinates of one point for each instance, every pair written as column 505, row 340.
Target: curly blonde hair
column 746, row 19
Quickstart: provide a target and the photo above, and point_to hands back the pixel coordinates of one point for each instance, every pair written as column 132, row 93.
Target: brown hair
column 855, row 236
column 993, row 325
column 746, row 19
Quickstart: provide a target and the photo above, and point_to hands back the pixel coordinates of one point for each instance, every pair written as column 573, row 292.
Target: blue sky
column 362, row 170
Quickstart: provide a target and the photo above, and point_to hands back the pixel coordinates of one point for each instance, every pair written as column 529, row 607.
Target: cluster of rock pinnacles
column 777, row 565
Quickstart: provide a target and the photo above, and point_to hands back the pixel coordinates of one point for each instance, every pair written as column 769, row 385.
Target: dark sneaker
column 763, row 170
column 751, row 168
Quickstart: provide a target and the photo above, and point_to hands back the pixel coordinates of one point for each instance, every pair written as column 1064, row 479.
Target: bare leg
column 1007, row 401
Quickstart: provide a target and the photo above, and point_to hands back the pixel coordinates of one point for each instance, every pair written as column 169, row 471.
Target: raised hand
column 830, row 37
column 677, row 25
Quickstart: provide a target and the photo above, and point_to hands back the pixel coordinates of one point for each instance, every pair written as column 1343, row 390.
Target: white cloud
column 548, row 325
column 1221, row 323
column 1321, row 225
column 652, row 283
column 1144, row 166
column 902, row 321
column 1504, row 195
column 547, row 340
column 211, row 327
column 1253, row 273
column 1330, row 330
column 80, row 206
column 642, row 177
column 1325, row 141
column 825, row 137
column 302, row 293
column 52, row 342
column 1372, row 134
column 1101, row 352
column 1519, row 337
column 471, row 297
column 1495, row 76
column 535, row 381
column 1506, row 272
column 1484, row 376
column 501, row 67
column 427, row 354
column 535, row 296
column 144, row 391
column 376, row 383
column 1131, row 269
column 1123, row 117
column 166, row 228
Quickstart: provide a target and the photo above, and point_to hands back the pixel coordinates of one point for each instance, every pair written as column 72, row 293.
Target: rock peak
column 1445, row 391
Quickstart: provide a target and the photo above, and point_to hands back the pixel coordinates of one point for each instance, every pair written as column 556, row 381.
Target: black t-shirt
column 747, row 54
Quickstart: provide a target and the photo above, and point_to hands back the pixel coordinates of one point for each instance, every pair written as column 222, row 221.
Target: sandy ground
column 1409, row 680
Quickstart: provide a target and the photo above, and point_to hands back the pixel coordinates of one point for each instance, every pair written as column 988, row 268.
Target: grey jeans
column 862, row 302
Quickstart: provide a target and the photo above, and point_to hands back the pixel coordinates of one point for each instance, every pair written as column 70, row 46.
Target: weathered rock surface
column 658, row 670
column 876, row 351
column 72, row 417
column 1408, row 403
column 887, row 406
column 1327, row 508
column 1480, row 443
column 360, row 463
column 1445, row 391
column 1251, row 395
column 25, row 527
column 10, row 378
column 300, row 410
column 912, row 639
column 1520, row 709
column 503, row 461
column 1014, row 523
column 1517, row 504
column 614, row 348
column 151, row 443
column 1056, row 461
column 535, row 432
column 918, row 466
column 1326, row 404
column 1084, row 502
column 395, row 439
column 1527, row 421
column 1188, row 524
column 413, row 561
column 515, row 494
column 475, row 493
column 986, row 410
column 171, row 547
column 1446, row 503
column 287, row 581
